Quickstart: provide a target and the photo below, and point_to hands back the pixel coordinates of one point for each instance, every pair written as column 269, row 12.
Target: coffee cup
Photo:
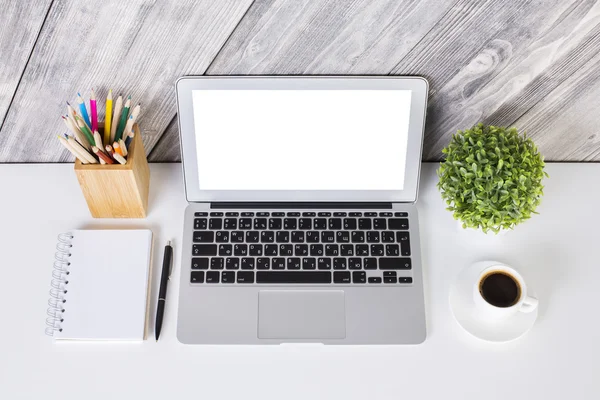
column 500, row 292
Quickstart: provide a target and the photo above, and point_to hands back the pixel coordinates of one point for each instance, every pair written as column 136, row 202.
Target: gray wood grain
column 136, row 47
column 20, row 23
column 167, row 149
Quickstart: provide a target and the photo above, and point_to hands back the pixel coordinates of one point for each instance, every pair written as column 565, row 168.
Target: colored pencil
column 67, row 146
column 131, row 120
column 71, row 111
column 129, row 139
column 101, row 155
column 83, row 110
column 85, row 130
column 107, row 119
column 123, row 147
column 94, row 111
column 77, row 133
column 109, row 150
column 120, row 159
column 115, row 118
column 81, row 150
column 117, row 149
column 123, row 121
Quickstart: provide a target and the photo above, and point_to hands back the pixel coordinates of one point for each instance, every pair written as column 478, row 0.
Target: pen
column 162, row 294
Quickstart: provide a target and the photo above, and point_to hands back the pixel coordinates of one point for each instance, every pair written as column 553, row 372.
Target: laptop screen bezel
column 187, row 133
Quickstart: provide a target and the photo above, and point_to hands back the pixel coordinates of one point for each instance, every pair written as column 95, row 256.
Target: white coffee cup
column 524, row 303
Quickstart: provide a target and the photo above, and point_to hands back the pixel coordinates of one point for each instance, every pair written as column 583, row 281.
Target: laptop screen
column 301, row 139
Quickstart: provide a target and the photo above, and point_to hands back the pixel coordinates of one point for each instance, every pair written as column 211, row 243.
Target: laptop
column 301, row 225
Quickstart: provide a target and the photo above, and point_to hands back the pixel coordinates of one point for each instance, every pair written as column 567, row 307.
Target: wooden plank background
column 534, row 64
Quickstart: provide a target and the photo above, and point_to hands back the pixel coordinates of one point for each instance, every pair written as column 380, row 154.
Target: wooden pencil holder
column 115, row 190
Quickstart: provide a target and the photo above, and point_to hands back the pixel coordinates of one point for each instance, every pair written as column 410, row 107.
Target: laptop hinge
column 304, row 204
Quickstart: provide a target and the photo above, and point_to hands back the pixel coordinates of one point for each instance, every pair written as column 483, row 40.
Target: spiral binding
column 58, row 285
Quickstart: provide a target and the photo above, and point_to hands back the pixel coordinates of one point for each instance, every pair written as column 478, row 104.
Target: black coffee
column 500, row 289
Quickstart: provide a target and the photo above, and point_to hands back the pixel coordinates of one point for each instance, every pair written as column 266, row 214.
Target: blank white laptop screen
column 301, row 139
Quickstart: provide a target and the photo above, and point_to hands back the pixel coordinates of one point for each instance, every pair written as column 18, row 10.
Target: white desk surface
column 557, row 251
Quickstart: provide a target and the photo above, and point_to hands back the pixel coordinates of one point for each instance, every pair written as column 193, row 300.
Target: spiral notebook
column 100, row 285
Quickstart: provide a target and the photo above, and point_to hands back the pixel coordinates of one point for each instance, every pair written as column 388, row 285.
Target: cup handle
column 529, row 304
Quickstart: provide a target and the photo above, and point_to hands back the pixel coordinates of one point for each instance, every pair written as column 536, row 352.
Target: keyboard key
column 339, row 263
column 389, row 280
column 342, row 237
column 293, row 214
column 377, row 250
column 200, row 223
column 404, row 239
column 327, row 237
column 293, row 277
column 278, row 214
column 335, row 223
column 359, row 277
column 199, row 263
column 216, row 214
column 316, row 250
column 237, row 237
column 309, row 214
column 255, row 250
column 267, row 236
column 262, row 214
column 320, row 223
column 247, row 263
column 350, row 223
column 388, row 237
column 332, row 250
column 247, row 214
column 301, row 250
column 305, row 223
column 324, row 263
column 364, row 223
column 355, row 214
column 290, row 223
column 401, row 214
column 271, row 250
column 398, row 224
column 212, row 277
column 370, row 263
column 204, row 249
column 275, row 223
column 341, row 277
column 373, row 237
column 355, row 263
column 217, row 263
column 385, row 214
column 362, row 250
column 197, row 277
column 312, row 237
column 230, row 223
column 374, row 279
column 252, row 236
column 245, row 223
column 357, row 237
column 215, row 223
column 309, row 263
column 282, row 237
column 240, row 249
column 395, row 263
column 228, row 276
column 204, row 237
column 245, row 277
column 260, row 223
column 339, row 214
column 278, row 262
column 392, row 250
column 225, row 250
column 347, row 250
column 370, row 214
column 404, row 280
column 222, row 237
column 232, row 263
column 387, row 274
column 297, row 237
column 379, row 223
column 324, row 214
column 201, row 214
column 286, row 250
column 293, row 263
column 263, row 263
column 232, row 214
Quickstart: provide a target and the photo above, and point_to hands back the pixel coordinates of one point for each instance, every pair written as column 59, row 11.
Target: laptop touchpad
column 301, row 314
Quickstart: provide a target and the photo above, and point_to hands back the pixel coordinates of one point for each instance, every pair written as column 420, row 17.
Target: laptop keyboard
column 301, row 248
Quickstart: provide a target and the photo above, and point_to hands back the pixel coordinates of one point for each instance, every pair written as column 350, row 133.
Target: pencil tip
column 78, row 94
column 68, row 103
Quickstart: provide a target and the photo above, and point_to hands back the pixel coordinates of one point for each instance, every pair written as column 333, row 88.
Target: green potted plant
column 491, row 178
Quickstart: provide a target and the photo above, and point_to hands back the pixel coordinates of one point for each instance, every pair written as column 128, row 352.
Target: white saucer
column 463, row 309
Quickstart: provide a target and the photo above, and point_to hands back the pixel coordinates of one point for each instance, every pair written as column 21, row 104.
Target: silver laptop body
column 301, row 225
